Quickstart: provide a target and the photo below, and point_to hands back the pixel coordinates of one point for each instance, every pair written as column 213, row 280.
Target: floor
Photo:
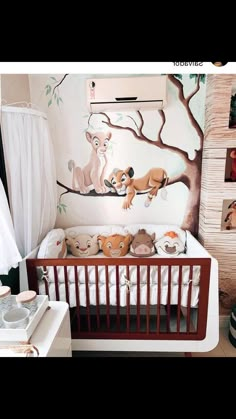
column 223, row 349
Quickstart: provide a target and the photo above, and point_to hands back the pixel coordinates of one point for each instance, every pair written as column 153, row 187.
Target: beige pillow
column 53, row 245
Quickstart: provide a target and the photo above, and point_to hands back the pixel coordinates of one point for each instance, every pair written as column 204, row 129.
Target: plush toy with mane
column 115, row 245
column 143, row 244
column 83, row 245
column 170, row 244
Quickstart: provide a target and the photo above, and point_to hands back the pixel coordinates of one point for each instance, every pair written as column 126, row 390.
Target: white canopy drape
column 31, row 174
column 9, row 254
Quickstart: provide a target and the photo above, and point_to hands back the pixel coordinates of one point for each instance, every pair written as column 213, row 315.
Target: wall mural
column 134, row 161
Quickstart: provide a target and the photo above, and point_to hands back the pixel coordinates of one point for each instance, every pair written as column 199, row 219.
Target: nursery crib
column 131, row 303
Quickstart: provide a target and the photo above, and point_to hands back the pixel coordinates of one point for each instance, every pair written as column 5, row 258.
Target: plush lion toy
column 82, row 245
column 115, row 245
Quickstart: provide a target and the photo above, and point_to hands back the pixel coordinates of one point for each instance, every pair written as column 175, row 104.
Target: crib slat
column 107, row 298
column 199, row 331
column 117, row 298
column 97, row 297
column 32, row 276
column 138, row 298
column 77, row 297
column 179, row 298
column 148, row 301
column 158, row 298
column 189, row 298
column 56, row 283
column 46, row 282
column 87, row 298
column 66, row 285
column 168, row 300
column 127, row 302
column 203, row 298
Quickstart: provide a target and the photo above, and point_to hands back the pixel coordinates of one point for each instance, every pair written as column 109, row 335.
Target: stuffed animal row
column 141, row 244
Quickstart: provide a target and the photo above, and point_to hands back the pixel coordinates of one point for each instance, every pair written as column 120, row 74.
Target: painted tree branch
column 133, row 121
column 163, row 117
column 159, row 142
column 138, row 135
column 141, row 137
column 142, row 121
column 194, row 91
column 93, row 192
column 58, row 84
column 185, row 103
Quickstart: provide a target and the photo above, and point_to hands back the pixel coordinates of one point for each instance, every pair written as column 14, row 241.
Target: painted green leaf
column 50, row 102
column 203, row 78
column 55, row 95
column 86, row 116
column 178, row 76
column 60, row 99
column 48, row 90
column 192, row 76
column 47, row 86
column 59, row 209
column 119, row 119
column 53, row 78
column 64, row 209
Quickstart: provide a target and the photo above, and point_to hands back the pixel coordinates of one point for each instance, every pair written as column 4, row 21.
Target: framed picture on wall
column 230, row 165
column 232, row 115
column 228, row 219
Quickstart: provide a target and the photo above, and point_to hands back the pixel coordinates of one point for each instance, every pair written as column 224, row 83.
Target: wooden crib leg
column 188, row 354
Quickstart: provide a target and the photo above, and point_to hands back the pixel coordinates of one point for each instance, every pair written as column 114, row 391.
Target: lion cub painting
column 124, row 183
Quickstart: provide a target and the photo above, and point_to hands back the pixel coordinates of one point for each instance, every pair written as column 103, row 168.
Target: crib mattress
column 125, row 286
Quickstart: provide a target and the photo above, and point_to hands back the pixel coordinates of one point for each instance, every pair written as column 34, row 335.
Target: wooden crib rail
column 91, row 322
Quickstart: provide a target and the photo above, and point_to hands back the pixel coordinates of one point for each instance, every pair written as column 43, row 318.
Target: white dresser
column 52, row 336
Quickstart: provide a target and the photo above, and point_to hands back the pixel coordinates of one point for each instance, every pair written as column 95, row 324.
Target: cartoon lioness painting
column 94, row 171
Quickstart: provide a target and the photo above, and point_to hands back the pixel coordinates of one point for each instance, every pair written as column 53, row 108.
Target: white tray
column 24, row 335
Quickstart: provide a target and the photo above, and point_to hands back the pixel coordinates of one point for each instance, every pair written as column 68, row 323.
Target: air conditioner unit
column 126, row 93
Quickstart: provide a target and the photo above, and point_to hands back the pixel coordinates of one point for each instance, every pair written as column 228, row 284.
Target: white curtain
column 31, row 174
column 9, row 254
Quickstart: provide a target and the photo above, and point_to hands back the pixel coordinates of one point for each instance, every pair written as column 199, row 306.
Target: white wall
column 15, row 88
